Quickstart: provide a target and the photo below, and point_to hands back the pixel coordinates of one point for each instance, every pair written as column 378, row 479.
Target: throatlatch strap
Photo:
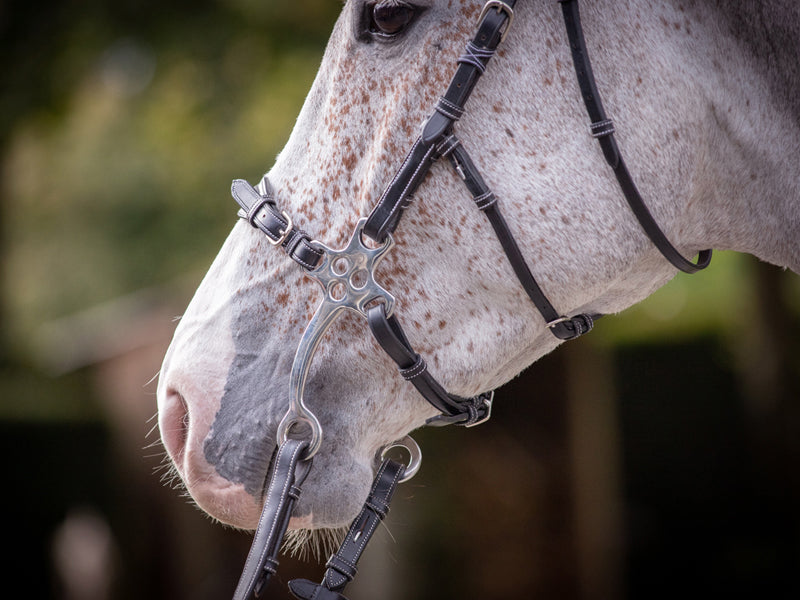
column 286, row 474
column 603, row 129
column 341, row 567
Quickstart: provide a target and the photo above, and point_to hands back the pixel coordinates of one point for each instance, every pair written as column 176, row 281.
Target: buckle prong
column 284, row 232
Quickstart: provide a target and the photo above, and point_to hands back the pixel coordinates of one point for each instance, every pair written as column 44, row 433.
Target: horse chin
column 333, row 493
column 228, row 503
column 331, row 496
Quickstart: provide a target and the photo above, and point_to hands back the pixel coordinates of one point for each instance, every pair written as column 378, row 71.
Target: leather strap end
column 435, row 128
column 303, row 589
column 569, row 328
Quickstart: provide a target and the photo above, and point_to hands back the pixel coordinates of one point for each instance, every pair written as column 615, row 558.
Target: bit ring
column 414, row 452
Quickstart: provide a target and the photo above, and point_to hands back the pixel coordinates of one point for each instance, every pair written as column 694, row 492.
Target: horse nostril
column 175, row 425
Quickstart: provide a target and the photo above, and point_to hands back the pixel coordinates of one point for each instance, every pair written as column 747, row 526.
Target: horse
column 703, row 97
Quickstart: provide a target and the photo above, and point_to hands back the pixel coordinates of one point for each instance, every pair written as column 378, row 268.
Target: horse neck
column 754, row 113
column 739, row 65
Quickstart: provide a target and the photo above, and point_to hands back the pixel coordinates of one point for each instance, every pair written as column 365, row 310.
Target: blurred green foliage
column 117, row 170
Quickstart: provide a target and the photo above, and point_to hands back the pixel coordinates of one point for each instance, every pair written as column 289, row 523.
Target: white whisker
column 152, row 379
column 316, row 544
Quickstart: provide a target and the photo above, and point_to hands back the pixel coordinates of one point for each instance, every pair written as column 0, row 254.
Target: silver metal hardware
column 487, row 402
column 557, row 321
column 414, row 452
column 284, row 232
column 460, row 170
column 501, row 7
column 347, row 278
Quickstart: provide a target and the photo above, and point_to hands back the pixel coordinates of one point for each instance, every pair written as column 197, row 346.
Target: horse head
column 707, row 131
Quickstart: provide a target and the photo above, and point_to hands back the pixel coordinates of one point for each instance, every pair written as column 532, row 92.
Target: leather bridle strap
column 341, row 567
column 286, row 474
column 603, row 129
column 259, row 209
column 437, row 140
column 455, row 410
column 564, row 328
column 398, row 194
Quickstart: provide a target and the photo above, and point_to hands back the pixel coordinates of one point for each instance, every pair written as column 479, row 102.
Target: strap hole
column 359, row 279
column 340, row 266
column 338, row 291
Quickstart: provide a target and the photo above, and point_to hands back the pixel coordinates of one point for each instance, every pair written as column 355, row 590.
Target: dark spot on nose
column 509, row 133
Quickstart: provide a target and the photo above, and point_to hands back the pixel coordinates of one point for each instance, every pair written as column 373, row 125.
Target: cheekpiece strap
column 564, row 328
column 492, row 27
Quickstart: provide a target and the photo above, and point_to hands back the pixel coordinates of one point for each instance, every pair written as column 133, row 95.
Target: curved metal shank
column 347, row 278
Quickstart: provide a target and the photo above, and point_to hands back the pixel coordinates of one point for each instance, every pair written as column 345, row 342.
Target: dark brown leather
column 341, row 567
column 564, row 328
column 397, row 196
column 262, row 213
column 286, row 474
column 603, row 129
column 455, row 409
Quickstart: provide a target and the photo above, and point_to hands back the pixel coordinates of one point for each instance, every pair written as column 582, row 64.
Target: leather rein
column 347, row 278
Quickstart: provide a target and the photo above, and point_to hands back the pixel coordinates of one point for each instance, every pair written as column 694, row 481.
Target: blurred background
column 659, row 456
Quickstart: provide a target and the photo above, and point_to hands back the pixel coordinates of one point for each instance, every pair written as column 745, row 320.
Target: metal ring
column 414, row 452
column 290, row 420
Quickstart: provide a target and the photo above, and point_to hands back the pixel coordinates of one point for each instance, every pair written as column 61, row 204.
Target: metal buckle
column 487, row 402
column 501, row 7
column 284, row 233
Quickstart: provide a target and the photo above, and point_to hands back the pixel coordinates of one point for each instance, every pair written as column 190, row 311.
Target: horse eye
column 389, row 18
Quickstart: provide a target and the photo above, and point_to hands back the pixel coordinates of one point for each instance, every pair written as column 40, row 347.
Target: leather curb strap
column 341, row 567
column 286, row 474
column 602, row 128
column 455, row 410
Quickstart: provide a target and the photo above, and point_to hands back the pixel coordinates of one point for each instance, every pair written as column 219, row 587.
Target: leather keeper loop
column 414, row 370
column 271, row 566
column 347, row 570
column 569, row 328
column 485, row 200
column 602, row 128
column 294, row 492
column 379, row 508
column 448, row 109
